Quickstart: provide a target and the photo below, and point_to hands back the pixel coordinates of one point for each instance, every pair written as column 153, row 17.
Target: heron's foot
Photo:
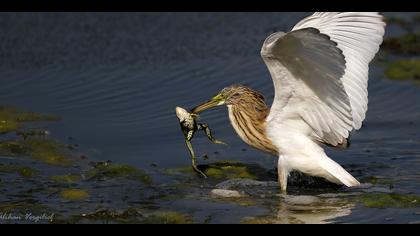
column 283, row 191
column 282, row 178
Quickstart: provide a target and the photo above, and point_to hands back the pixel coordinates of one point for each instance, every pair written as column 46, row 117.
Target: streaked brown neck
column 248, row 118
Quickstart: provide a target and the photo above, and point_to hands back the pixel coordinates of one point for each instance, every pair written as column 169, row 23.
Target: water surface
column 115, row 80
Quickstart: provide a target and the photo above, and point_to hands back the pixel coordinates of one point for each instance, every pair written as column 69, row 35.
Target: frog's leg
column 206, row 129
column 193, row 158
column 189, row 135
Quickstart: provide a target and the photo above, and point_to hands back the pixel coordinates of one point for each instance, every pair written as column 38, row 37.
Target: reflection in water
column 311, row 209
column 299, row 206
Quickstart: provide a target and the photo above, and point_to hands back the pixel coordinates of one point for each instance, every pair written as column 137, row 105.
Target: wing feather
column 320, row 71
column 358, row 35
column 306, row 67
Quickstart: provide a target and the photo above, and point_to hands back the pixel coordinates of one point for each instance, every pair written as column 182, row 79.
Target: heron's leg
column 282, row 173
column 206, row 129
column 193, row 158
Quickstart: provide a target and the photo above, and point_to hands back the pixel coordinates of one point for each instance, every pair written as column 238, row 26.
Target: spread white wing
column 320, row 72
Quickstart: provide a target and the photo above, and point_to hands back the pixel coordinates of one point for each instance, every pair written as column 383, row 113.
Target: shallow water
column 115, row 80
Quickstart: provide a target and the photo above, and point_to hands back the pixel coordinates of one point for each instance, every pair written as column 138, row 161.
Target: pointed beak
column 214, row 102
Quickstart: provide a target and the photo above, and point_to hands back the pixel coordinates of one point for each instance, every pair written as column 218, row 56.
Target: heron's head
column 232, row 95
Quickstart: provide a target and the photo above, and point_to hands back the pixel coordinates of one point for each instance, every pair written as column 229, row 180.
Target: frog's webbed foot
column 207, row 130
column 194, row 159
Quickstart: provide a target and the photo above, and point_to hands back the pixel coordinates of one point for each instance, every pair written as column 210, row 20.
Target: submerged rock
column 226, row 193
column 301, row 200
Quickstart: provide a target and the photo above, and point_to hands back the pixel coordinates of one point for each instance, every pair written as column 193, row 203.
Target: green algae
column 246, row 203
column 109, row 170
column 42, row 149
column 243, row 201
column 13, row 148
column 10, row 118
column 238, row 172
column 32, row 116
column 224, row 170
column 109, row 215
column 23, row 171
column 74, row 194
column 48, row 152
column 7, row 125
column 385, row 200
column 375, row 181
column 166, row 217
column 70, row 178
column 133, row 216
column 229, row 172
column 23, row 206
column 214, row 172
column 270, row 220
column 45, row 150
column 27, row 172
column 31, row 133
column 403, row 70
column 182, row 170
column 258, row 220
column 405, row 44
